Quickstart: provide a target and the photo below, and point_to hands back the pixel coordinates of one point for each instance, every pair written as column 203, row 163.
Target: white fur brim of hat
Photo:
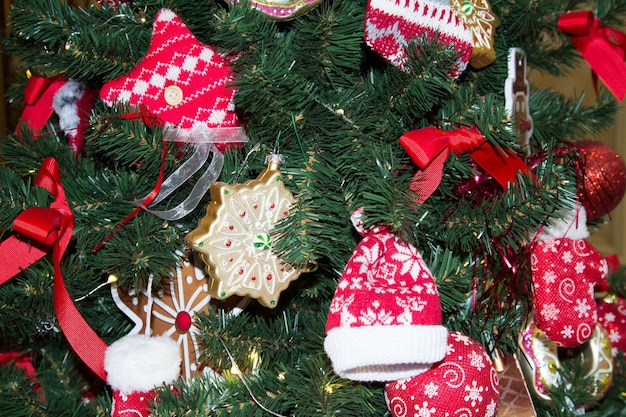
column 137, row 363
column 385, row 353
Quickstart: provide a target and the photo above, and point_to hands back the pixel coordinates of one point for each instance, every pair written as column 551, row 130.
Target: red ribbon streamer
column 429, row 148
column 603, row 47
column 149, row 120
column 52, row 226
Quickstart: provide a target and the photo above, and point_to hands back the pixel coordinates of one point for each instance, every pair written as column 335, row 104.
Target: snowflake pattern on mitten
column 464, row 383
column 564, row 273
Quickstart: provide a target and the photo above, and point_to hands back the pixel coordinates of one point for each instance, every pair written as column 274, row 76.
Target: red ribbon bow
column 603, row 47
column 52, row 226
column 429, row 148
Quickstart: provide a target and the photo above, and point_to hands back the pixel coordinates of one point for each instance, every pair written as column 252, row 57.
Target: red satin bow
column 603, row 47
column 52, row 226
column 429, row 148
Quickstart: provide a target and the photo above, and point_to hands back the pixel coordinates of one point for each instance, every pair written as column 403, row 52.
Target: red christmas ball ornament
column 465, row 383
column 601, row 177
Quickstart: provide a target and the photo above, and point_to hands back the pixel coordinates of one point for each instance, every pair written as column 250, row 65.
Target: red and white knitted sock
column 391, row 24
column 565, row 270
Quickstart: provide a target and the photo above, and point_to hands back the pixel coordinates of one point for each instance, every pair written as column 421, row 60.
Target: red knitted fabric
column 180, row 80
column 564, row 273
column 391, row 24
column 384, row 322
column 612, row 317
column 465, row 383
column 135, row 404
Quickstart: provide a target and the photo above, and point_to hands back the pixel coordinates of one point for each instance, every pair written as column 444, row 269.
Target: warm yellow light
column 254, row 359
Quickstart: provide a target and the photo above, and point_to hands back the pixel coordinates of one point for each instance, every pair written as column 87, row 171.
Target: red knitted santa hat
column 181, row 81
column 391, row 24
column 464, row 383
column 385, row 318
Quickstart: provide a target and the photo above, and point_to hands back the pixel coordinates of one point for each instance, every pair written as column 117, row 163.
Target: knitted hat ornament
column 184, row 84
column 71, row 100
column 72, row 104
column 565, row 270
column 384, row 321
column 465, row 383
column 391, row 24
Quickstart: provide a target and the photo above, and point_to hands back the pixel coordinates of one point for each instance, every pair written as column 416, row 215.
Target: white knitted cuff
column 385, row 353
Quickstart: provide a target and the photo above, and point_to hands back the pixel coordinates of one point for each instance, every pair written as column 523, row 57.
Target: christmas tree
column 309, row 208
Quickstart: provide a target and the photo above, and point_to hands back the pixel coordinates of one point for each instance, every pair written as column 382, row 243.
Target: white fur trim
column 64, row 104
column 137, row 363
column 385, row 353
column 573, row 225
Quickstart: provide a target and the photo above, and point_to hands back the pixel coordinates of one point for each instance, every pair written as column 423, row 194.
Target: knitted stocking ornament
column 565, row 269
column 384, row 321
column 391, row 24
column 136, row 366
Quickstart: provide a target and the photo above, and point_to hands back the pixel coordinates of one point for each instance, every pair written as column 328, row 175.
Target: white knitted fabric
column 391, row 24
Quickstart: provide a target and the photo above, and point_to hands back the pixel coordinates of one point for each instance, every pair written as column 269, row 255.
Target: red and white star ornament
column 186, row 85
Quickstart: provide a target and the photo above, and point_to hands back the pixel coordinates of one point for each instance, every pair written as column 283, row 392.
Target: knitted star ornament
column 391, row 24
column 465, row 383
column 181, row 81
column 384, row 321
column 565, row 269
